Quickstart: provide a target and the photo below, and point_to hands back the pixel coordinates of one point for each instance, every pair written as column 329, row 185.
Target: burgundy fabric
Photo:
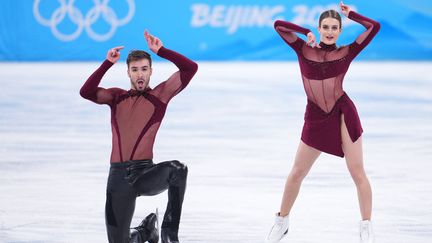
column 323, row 70
column 136, row 115
column 321, row 130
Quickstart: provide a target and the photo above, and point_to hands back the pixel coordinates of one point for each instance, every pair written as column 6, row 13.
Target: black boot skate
column 147, row 231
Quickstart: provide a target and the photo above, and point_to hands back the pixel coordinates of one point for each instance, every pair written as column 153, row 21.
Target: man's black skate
column 147, row 231
column 169, row 235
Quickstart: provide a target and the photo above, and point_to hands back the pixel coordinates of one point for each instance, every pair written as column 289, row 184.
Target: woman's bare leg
column 354, row 159
column 304, row 160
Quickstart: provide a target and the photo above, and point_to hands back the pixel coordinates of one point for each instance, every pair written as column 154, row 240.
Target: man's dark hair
column 136, row 55
column 331, row 14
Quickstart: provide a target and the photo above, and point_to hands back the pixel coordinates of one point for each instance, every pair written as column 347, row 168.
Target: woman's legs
column 303, row 162
column 354, row 159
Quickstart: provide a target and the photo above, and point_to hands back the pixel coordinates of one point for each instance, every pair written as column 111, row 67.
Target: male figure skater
column 136, row 115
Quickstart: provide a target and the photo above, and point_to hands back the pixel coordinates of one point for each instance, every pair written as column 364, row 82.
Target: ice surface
column 237, row 126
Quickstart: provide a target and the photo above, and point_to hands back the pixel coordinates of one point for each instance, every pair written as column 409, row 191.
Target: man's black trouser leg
column 128, row 180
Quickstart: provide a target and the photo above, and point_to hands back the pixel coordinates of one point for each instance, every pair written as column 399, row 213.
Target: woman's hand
column 345, row 9
column 311, row 40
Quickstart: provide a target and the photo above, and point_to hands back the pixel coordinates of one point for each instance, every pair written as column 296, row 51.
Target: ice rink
column 237, row 126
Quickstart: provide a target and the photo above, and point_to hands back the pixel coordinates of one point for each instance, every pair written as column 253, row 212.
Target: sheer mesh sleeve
column 180, row 79
column 91, row 90
column 372, row 28
column 287, row 31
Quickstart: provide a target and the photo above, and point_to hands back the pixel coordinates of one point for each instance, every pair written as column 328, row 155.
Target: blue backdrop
column 68, row 30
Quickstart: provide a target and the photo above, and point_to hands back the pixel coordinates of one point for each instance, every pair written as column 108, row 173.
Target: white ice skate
column 366, row 232
column 279, row 229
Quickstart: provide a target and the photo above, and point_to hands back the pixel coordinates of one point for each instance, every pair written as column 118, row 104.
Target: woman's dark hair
column 136, row 55
column 331, row 14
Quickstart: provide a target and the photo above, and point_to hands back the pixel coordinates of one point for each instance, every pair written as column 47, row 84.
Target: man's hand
column 113, row 54
column 154, row 44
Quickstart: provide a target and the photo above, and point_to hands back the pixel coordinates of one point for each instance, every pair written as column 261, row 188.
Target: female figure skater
column 331, row 123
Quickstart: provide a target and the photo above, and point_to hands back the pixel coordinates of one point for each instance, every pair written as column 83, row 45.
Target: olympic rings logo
column 67, row 9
